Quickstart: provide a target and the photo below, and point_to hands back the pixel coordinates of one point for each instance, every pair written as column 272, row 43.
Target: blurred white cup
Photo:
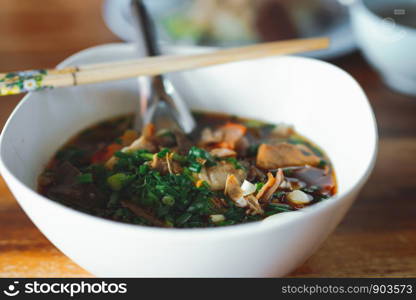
column 386, row 33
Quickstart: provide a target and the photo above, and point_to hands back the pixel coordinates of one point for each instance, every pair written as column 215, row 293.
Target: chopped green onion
column 163, row 153
column 280, row 207
column 113, row 200
column 168, row 200
column 279, row 194
column 322, row 164
column 143, row 169
column 146, row 156
column 85, row 178
column 259, row 185
column 179, row 157
column 183, row 218
column 118, row 181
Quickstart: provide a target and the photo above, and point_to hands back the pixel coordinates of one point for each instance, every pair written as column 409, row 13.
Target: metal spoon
column 159, row 102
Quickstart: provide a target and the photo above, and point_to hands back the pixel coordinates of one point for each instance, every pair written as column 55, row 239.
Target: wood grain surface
column 377, row 237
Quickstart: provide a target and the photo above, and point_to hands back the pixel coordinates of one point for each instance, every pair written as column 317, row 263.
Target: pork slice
column 270, row 157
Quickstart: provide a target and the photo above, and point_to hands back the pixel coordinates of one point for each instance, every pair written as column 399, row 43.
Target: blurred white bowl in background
column 387, row 45
column 118, row 18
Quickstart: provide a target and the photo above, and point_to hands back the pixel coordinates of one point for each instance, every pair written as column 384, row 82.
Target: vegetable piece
column 163, row 153
column 299, row 198
column 199, row 183
column 233, row 189
column 199, row 157
column 259, row 186
column 168, row 200
column 118, row 181
column 279, row 207
column 183, row 218
column 85, row 178
column 196, row 153
column 270, row 182
column 248, row 188
column 282, row 155
column 217, row 218
column 255, row 124
column 242, row 202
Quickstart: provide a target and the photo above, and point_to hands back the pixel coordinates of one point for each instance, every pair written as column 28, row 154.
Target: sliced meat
column 209, row 137
column 67, row 189
column 233, row 133
column 216, row 176
column 270, row 157
column 226, row 136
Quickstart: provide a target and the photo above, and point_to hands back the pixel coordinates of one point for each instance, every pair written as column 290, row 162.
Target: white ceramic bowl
column 322, row 101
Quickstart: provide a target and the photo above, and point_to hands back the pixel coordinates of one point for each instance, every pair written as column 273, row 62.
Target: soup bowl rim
column 226, row 231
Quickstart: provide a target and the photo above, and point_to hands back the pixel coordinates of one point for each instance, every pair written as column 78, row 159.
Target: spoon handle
column 161, row 98
column 145, row 28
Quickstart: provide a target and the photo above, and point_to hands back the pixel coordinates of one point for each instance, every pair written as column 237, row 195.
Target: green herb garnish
column 279, row 207
column 85, row 178
column 235, row 163
column 259, row 185
column 163, row 153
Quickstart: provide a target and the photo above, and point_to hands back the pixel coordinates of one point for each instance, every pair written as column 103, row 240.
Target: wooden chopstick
column 35, row 80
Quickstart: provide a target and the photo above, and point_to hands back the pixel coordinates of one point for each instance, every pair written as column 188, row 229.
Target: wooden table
column 378, row 236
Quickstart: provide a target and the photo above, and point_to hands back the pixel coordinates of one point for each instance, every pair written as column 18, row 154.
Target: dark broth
column 179, row 183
